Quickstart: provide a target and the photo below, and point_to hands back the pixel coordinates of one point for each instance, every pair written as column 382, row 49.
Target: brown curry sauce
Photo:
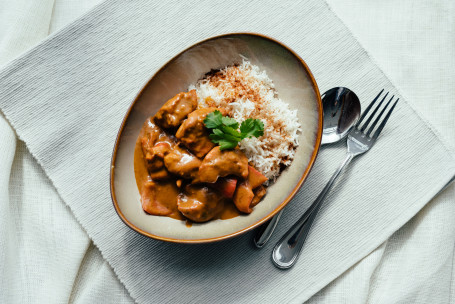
column 164, row 193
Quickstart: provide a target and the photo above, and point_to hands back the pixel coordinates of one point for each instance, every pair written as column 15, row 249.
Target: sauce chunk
column 176, row 109
column 193, row 133
column 250, row 191
column 200, row 203
column 182, row 163
column 220, row 163
column 155, row 145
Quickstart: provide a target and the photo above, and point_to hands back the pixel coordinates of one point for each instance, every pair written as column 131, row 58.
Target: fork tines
column 367, row 122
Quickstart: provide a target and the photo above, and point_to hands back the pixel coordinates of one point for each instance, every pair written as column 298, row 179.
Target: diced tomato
column 226, row 186
column 255, row 178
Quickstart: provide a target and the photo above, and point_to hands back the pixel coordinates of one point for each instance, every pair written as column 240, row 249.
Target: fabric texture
column 22, row 250
column 415, row 265
column 363, row 269
column 23, row 24
column 45, row 255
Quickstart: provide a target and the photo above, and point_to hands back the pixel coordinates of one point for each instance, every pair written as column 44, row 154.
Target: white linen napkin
column 66, row 99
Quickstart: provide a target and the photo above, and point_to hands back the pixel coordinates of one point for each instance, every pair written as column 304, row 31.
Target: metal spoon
column 341, row 112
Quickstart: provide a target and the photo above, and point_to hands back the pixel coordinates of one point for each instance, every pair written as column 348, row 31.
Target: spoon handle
column 288, row 248
column 265, row 231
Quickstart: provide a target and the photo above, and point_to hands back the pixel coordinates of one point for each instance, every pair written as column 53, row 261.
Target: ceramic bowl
column 294, row 84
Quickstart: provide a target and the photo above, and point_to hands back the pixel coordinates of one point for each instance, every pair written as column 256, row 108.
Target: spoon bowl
column 341, row 111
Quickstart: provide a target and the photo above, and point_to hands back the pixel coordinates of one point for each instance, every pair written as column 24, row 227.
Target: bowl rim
column 279, row 207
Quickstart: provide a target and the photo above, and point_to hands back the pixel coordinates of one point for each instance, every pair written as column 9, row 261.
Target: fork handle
column 288, row 248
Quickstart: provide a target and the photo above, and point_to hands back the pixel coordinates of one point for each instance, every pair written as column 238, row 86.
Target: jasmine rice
column 245, row 91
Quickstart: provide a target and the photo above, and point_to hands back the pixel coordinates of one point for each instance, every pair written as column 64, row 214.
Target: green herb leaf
column 230, row 122
column 252, row 127
column 232, row 132
column 225, row 142
column 225, row 129
column 213, row 120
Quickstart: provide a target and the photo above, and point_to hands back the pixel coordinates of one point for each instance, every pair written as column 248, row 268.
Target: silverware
column 341, row 111
column 360, row 140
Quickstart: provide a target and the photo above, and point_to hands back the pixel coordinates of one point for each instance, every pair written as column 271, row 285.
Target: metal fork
column 360, row 140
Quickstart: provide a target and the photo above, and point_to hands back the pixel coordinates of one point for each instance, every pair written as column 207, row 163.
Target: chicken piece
column 182, row 163
column 243, row 197
column 250, row 191
column 175, row 110
column 200, row 203
column 255, row 178
column 259, row 193
column 155, row 144
column 154, row 160
column 220, row 163
column 160, row 198
column 160, row 175
column 193, row 133
column 150, row 135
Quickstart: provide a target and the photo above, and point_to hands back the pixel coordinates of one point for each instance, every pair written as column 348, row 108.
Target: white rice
column 245, row 91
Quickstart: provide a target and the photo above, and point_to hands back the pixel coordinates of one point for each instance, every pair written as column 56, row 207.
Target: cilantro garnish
column 225, row 129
